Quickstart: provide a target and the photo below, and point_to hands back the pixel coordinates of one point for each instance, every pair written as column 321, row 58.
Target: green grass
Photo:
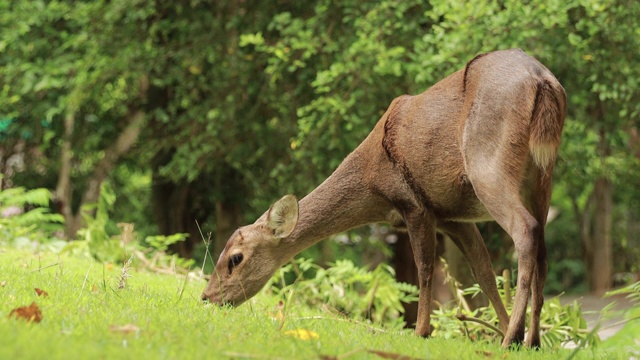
column 84, row 304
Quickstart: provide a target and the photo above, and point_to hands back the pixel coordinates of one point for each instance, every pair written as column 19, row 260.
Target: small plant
column 559, row 323
column 356, row 292
column 160, row 244
column 117, row 247
column 95, row 236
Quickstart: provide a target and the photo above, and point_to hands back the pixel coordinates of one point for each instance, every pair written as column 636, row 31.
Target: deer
column 479, row 145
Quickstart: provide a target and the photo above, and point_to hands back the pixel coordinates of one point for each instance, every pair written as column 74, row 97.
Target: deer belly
column 457, row 203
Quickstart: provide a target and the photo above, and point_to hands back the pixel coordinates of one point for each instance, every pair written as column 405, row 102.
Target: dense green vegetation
column 210, row 110
column 151, row 122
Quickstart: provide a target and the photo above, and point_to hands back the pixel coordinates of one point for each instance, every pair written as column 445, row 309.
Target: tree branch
column 463, row 317
column 124, row 142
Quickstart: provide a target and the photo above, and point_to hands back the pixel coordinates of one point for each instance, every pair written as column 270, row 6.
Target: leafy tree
column 209, row 110
column 77, row 87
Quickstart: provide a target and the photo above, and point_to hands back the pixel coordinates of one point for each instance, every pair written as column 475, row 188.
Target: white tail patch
column 544, row 154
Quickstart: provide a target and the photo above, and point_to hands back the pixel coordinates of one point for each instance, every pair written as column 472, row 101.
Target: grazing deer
column 479, row 145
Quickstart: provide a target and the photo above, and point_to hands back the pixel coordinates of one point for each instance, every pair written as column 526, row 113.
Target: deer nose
column 204, row 297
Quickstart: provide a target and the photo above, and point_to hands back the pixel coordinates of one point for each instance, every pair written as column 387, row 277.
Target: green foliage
column 104, row 242
column 95, row 234
column 626, row 339
column 25, row 218
column 133, row 188
column 162, row 243
column 247, row 101
column 356, row 292
column 559, row 323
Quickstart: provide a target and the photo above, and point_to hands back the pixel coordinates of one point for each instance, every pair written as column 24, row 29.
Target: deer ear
column 283, row 216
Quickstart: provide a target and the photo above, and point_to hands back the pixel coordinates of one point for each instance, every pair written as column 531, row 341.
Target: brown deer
column 479, row 145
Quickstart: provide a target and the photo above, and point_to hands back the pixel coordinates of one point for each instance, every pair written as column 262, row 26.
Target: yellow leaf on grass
column 302, row 334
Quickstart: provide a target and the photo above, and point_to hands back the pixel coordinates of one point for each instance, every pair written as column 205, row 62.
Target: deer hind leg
column 467, row 238
column 422, row 235
column 495, row 147
column 497, row 178
column 525, row 231
column 539, row 199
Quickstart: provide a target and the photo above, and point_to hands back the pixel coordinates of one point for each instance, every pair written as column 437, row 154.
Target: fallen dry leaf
column 94, row 288
column 41, row 292
column 29, row 313
column 125, row 329
column 3, row 283
column 302, row 334
column 487, row 354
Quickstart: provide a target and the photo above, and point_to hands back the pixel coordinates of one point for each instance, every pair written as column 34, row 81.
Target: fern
column 25, row 214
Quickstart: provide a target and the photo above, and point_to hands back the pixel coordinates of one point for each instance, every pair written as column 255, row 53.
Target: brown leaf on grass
column 94, row 289
column 487, row 354
column 124, row 329
column 29, row 313
column 41, row 292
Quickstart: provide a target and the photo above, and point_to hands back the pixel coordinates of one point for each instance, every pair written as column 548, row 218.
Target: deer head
column 252, row 255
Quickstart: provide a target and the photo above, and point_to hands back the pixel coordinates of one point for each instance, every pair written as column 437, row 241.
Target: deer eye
column 234, row 261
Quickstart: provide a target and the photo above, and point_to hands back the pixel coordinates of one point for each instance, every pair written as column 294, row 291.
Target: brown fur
column 478, row 145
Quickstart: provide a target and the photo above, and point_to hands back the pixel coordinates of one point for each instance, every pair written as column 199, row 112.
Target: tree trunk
column 406, row 272
column 123, row 143
column 583, row 219
column 601, row 247
column 63, row 189
column 228, row 219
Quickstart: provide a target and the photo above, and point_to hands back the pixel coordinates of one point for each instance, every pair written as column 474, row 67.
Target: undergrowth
column 110, row 294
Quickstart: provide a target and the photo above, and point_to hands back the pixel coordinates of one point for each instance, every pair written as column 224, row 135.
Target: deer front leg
column 422, row 234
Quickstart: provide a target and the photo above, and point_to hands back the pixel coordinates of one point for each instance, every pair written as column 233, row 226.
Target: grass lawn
column 155, row 316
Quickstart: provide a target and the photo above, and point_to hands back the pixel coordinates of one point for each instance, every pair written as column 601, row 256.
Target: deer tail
column 546, row 123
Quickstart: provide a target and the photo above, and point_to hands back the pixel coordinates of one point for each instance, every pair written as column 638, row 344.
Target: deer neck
column 343, row 201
